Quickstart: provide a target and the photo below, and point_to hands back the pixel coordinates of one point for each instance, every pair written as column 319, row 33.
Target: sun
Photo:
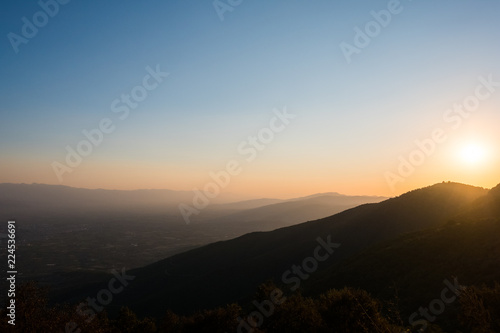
column 473, row 153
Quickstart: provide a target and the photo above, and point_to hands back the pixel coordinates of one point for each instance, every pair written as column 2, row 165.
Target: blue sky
column 226, row 77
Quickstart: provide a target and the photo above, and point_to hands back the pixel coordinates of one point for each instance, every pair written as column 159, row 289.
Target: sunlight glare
column 473, row 153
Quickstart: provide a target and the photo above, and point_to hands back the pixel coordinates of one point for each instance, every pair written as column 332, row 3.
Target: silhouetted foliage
column 480, row 309
column 219, row 320
column 352, row 310
column 127, row 322
column 346, row 310
column 171, row 322
column 296, row 314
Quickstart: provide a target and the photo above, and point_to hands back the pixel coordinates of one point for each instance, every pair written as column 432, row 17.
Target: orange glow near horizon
column 254, row 183
column 468, row 159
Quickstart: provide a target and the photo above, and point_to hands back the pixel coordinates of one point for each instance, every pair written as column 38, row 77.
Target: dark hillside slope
column 483, row 208
column 414, row 266
column 230, row 271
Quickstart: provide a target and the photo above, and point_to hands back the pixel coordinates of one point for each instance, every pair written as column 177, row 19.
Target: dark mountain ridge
column 412, row 267
column 229, row 271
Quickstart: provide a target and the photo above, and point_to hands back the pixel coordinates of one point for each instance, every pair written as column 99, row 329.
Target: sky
column 262, row 98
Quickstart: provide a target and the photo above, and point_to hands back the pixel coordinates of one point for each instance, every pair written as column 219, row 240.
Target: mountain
column 27, row 200
column 230, row 271
column 247, row 204
column 413, row 266
column 300, row 209
column 64, row 229
column 486, row 207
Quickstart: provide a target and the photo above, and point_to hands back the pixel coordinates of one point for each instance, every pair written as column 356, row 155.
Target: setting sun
column 473, row 153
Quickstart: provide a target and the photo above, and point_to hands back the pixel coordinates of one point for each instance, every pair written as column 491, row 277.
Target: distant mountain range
column 230, row 271
column 57, row 199
column 28, row 201
column 64, row 229
column 292, row 211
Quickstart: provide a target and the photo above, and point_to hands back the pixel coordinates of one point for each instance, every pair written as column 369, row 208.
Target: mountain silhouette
column 229, row 271
column 413, row 266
